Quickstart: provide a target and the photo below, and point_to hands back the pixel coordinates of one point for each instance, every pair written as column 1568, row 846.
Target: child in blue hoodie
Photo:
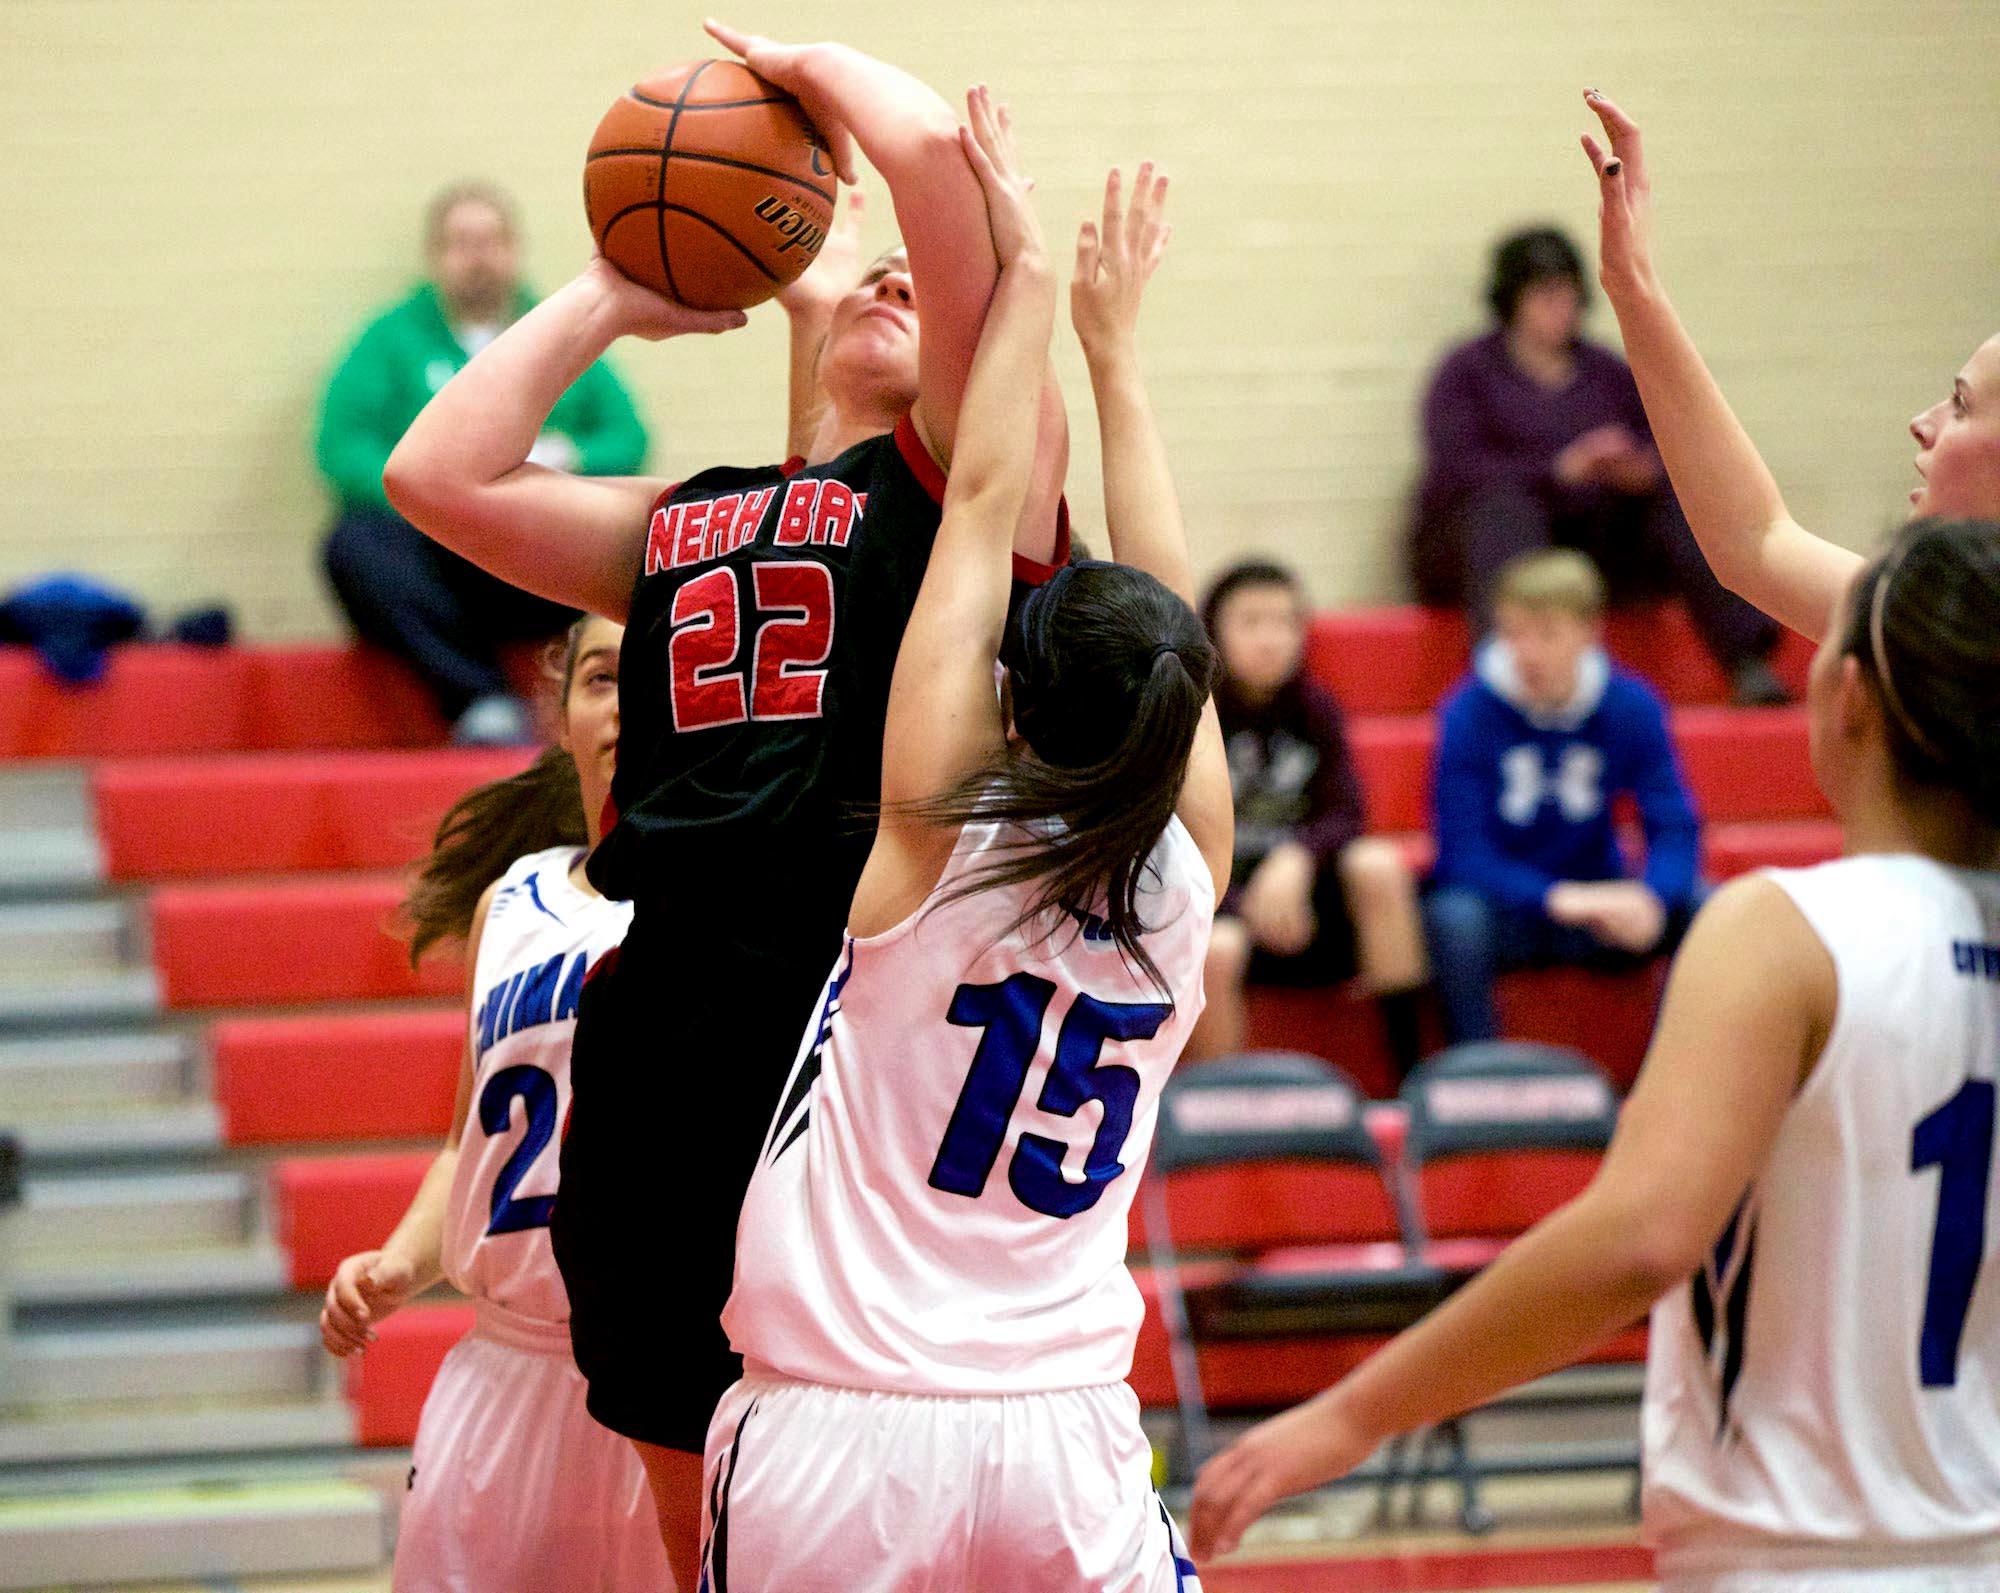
column 1534, row 748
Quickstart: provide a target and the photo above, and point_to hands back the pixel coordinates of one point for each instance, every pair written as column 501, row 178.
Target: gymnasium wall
column 203, row 198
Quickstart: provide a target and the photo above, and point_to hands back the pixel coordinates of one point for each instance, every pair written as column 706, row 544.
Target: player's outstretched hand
column 1115, row 260
column 366, row 1287
column 988, row 141
column 837, row 266
column 793, row 67
column 1625, row 201
column 637, row 311
column 1306, row 1446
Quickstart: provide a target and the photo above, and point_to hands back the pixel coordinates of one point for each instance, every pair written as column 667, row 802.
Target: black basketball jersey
column 754, row 682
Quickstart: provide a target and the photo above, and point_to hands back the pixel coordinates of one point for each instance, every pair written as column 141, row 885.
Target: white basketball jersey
column 1829, row 1384
column 542, row 935
column 941, row 1204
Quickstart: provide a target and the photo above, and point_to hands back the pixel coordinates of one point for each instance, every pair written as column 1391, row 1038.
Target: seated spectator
column 1535, row 438
column 1311, row 900
column 1533, row 750
column 400, row 589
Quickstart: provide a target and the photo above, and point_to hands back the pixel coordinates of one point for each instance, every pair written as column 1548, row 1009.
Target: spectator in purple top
column 1311, row 900
column 1536, row 438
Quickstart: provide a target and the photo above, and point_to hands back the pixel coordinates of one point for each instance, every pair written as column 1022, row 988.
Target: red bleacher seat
column 289, row 941
column 373, row 1075
column 1403, row 660
column 1610, row 1014
column 388, row 1383
column 1499, row 1136
column 269, row 813
column 1732, row 849
column 329, row 1207
column 168, row 698
column 1740, row 764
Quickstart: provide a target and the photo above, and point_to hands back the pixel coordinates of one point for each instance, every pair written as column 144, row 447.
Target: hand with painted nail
column 1625, row 202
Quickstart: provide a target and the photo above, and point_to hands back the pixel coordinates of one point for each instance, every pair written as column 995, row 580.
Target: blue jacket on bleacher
column 1524, row 800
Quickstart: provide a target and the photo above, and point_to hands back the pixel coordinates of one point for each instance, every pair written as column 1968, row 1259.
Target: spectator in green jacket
column 400, row 589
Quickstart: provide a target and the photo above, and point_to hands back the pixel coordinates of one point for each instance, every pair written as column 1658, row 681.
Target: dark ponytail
column 1109, row 672
column 1926, row 630
column 492, row 826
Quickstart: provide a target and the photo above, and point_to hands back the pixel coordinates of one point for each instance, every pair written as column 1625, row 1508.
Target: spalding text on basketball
column 797, row 229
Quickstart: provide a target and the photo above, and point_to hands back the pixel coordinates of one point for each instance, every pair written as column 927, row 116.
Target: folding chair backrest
column 1502, row 1133
column 1269, row 1149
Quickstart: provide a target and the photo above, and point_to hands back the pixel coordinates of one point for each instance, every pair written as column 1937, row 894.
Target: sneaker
column 494, row 721
column 1754, row 684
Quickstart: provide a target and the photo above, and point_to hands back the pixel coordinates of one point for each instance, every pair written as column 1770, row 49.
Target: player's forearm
column 483, row 422
column 418, row 1239
column 899, row 123
column 1142, row 510
column 998, row 419
column 1550, row 1299
column 1727, row 493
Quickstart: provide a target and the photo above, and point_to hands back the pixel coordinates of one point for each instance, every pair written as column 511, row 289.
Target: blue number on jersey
column 537, row 1090
column 1957, row 1139
column 1011, row 1014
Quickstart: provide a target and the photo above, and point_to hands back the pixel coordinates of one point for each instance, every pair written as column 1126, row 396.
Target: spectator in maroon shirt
column 1536, row 438
column 1311, row 900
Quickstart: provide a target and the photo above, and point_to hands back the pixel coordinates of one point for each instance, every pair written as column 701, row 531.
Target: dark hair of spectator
column 1249, row 572
column 489, row 828
column 1532, row 255
column 1926, row 630
column 1108, row 672
column 472, row 190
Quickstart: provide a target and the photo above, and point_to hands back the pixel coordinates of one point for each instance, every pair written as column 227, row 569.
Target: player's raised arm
column 944, row 717
column 1115, row 258
column 1746, row 1014
column 910, row 136
column 461, row 474
column 1731, row 501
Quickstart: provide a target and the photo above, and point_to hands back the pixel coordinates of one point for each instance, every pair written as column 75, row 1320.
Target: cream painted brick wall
column 202, row 200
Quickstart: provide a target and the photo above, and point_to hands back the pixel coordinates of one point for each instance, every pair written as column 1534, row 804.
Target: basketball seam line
column 662, row 206
column 724, row 160
column 660, row 193
column 706, row 105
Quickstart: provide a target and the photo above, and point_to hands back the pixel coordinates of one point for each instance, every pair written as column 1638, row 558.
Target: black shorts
column 1330, row 959
column 681, row 1051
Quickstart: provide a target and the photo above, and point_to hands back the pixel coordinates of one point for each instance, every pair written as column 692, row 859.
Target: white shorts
column 810, row 1489
column 514, row 1486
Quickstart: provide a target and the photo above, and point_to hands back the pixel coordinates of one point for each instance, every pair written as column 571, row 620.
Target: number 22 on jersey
column 711, row 684
column 1009, row 1016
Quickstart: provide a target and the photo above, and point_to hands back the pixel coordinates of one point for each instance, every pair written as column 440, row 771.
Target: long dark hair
column 1108, row 671
column 1926, row 630
column 492, row 826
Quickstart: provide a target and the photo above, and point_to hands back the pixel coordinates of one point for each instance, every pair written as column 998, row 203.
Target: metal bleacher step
column 66, row 1076
column 245, row 1361
column 208, row 1531
column 190, row 1128
column 37, row 863
column 67, row 937
column 253, row 1269
column 174, row 1428
column 94, row 998
column 133, row 1215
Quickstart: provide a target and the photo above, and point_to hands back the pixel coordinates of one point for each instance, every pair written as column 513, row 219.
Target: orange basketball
column 710, row 185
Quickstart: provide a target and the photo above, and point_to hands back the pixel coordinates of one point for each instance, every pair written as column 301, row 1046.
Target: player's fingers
column 1139, row 214
column 343, row 1296
column 734, row 40
column 1086, row 254
column 976, row 157
column 853, row 210
column 1627, row 144
column 1112, row 227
